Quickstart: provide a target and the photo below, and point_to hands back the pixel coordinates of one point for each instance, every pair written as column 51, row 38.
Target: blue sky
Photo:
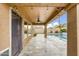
column 63, row 19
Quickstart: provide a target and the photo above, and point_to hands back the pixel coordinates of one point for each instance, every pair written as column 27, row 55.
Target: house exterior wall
column 4, row 27
column 39, row 29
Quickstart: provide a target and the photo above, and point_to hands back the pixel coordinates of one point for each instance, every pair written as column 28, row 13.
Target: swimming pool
column 61, row 36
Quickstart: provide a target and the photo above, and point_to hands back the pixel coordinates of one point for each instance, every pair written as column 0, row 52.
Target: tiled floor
column 39, row 46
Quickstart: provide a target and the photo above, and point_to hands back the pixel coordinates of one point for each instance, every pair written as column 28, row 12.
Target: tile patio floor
column 40, row 46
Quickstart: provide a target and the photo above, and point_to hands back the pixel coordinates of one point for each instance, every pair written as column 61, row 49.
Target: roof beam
column 38, row 23
column 34, row 23
column 55, row 13
column 20, row 11
column 70, row 6
column 38, row 4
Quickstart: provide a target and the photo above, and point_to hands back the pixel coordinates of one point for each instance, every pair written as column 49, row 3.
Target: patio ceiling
column 31, row 11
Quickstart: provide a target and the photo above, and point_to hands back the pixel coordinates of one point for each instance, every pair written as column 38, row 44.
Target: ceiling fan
column 38, row 19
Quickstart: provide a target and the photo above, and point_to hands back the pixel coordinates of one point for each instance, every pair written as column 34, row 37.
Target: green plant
column 63, row 30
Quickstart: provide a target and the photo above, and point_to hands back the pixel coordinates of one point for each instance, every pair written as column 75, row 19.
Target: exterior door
column 16, row 34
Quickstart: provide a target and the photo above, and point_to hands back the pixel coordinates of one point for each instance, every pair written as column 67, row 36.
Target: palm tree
column 61, row 27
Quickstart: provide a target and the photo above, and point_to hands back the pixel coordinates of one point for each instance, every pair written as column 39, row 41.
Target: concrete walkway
column 39, row 46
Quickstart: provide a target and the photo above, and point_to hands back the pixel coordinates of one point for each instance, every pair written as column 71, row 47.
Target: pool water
column 61, row 36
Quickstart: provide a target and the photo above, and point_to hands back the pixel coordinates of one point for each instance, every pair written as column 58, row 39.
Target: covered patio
column 38, row 29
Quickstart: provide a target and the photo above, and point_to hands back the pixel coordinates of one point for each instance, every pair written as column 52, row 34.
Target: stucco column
column 23, row 33
column 32, row 30
column 72, row 32
column 45, row 31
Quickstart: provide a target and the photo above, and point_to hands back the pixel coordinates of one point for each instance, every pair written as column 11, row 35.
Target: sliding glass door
column 16, row 34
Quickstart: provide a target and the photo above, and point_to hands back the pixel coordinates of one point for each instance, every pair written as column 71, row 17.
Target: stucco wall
column 38, row 29
column 4, row 26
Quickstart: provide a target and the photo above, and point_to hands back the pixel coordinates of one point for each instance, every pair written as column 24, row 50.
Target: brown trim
column 70, row 6
column 16, row 14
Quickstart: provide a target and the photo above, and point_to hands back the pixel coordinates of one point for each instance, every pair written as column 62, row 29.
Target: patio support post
column 72, row 31
column 27, row 30
column 45, row 31
column 32, row 30
column 22, row 33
